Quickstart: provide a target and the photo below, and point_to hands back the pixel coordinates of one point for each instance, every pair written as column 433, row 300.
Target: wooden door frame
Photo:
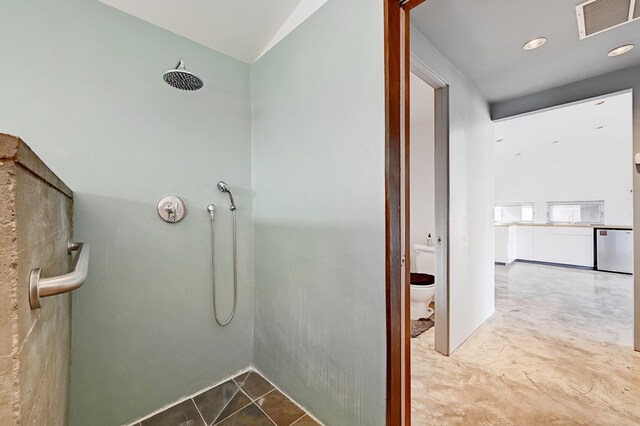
column 397, row 65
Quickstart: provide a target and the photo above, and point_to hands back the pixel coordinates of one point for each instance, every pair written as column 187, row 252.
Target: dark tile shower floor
column 247, row 399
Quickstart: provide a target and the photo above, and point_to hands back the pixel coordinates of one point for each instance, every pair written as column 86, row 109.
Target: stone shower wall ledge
column 12, row 148
column 35, row 345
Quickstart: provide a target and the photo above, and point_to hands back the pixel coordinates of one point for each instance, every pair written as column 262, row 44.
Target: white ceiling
column 243, row 29
column 574, row 126
column 586, row 164
column 484, row 40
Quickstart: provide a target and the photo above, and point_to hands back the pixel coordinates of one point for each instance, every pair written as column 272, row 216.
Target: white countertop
column 565, row 225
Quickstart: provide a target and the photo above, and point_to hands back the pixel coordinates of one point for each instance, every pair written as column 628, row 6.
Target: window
column 591, row 212
column 511, row 213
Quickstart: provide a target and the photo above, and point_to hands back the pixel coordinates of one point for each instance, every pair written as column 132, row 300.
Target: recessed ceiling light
column 621, row 50
column 599, row 127
column 535, row 43
column 555, row 142
column 499, row 140
column 600, row 102
column 519, row 154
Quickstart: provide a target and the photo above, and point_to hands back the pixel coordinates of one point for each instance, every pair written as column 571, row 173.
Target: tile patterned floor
column 247, row 399
column 558, row 350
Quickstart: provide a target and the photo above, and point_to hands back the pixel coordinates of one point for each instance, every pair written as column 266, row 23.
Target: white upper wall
column 243, row 29
column 585, row 164
column 421, row 170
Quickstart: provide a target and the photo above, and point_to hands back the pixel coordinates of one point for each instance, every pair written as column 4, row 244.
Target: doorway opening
column 398, row 65
column 564, row 219
column 428, row 206
column 501, row 78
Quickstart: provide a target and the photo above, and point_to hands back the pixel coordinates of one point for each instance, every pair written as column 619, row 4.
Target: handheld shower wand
column 223, row 187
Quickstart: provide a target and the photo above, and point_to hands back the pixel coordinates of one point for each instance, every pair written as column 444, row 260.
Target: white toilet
column 423, row 285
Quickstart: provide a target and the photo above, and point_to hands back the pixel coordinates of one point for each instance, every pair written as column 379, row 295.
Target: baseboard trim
column 559, row 265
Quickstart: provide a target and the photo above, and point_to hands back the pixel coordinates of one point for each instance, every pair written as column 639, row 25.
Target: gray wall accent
column 471, row 205
column 82, row 82
column 319, row 225
column 596, row 86
column 625, row 79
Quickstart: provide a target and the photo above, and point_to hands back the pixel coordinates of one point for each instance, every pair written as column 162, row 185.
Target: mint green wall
column 319, row 225
column 81, row 83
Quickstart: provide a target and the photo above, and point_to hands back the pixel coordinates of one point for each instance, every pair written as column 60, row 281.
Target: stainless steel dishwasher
column 614, row 250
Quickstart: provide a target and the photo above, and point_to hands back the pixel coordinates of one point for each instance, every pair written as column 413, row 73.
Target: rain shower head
column 182, row 79
column 223, row 187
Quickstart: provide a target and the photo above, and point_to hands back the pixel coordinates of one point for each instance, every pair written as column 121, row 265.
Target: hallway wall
column 319, row 221
column 82, row 82
column 471, row 186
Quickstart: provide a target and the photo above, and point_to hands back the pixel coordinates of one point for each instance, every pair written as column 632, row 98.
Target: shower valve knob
column 172, row 209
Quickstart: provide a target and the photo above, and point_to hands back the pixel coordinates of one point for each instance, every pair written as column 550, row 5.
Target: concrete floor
column 558, row 350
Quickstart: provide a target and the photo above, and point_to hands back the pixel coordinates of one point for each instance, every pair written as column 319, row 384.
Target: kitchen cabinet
column 524, row 242
column 577, row 250
column 505, row 244
column 547, row 246
column 568, row 245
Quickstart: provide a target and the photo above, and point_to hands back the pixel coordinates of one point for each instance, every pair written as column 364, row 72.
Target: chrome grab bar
column 45, row 287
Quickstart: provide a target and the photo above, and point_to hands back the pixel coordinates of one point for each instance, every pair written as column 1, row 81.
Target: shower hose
column 235, row 274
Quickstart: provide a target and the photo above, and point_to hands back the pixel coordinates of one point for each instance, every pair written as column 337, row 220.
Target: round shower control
column 172, row 209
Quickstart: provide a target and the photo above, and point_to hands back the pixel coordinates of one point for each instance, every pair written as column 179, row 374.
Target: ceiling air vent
column 596, row 16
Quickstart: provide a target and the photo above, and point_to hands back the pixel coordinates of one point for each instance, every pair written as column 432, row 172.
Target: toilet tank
column 425, row 259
